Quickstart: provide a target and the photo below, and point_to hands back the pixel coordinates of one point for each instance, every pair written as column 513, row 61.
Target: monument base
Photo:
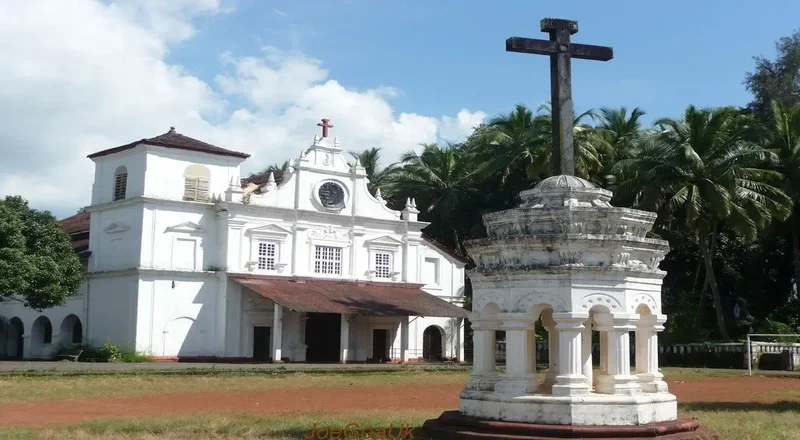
column 585, row 409
column 452, row 425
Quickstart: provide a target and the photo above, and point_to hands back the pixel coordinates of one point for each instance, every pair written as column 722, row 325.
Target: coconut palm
column 440, row 179
column 623, row 133
column 700, row 173
column 784, row 143
column 370, row 160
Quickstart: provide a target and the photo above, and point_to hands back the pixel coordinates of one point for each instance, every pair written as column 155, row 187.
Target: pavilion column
column 570, row 380
column 277, row 332
column 520, row 375
column 552, row 350
column 618, row 378
column 586, row 352
column 649, row 377
column 484, row 369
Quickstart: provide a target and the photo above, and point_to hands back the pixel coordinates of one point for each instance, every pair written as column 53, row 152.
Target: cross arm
column 548, row 47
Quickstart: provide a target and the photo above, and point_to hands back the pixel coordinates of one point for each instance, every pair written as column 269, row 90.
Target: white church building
column 187, row 261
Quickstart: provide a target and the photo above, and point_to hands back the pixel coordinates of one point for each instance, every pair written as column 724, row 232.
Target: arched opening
column 71, row 331
column 432, row 345
column 120, row 183
column 197, row 179
column 14, row 338
column 41, row 335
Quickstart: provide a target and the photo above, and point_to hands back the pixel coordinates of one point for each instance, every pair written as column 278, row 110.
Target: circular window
column 331, row 195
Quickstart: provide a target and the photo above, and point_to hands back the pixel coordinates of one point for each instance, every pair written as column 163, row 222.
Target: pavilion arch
column 433, row 343
column 598, row 308
column 14, row 338
column 490, row 309
column 71, row 331
column 536, row 310
column 643, row 309
column 41, row 335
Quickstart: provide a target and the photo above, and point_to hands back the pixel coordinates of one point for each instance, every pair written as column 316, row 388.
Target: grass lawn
column 745, row 421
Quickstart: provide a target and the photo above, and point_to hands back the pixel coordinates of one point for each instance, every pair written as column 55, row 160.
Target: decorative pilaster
column 520, row 375
column 649, row 377
column 570, row 380
column 484, row 370
column 618, row 378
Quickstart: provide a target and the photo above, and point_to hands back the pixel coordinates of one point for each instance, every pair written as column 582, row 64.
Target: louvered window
column 195, row 189
column 120, row 183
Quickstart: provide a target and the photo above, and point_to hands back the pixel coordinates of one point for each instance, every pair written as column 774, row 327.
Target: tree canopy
column 37, row 263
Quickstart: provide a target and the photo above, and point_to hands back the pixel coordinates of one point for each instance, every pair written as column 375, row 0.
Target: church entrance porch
column 261, row 344
column 323, row 337
column 380, row 345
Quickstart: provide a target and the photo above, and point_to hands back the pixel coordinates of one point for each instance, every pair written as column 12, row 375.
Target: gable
column 116, row 228
column 269, row 231
column 186, row 227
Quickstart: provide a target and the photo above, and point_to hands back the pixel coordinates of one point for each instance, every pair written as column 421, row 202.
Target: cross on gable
column 325, row 126
column 560, row 50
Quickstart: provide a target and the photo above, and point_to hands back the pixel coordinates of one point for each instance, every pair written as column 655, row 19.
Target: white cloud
column 82, row 76
column 280, row 12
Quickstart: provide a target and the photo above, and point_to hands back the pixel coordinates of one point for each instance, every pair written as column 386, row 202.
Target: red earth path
column 383, row 397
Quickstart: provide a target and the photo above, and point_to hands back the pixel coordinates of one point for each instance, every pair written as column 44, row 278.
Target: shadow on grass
column 781, row 406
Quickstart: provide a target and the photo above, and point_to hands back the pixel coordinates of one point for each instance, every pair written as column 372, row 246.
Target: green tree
column 623, row 134
column 370, row 160
column 778, row 79
column 441, row 180
column 37, row 263
column 701, row 174
column 784, row 142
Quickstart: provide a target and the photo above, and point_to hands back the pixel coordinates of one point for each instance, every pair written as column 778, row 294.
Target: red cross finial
column 325, row 126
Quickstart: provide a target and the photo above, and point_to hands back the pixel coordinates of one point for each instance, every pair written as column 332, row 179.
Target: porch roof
column 363, row 298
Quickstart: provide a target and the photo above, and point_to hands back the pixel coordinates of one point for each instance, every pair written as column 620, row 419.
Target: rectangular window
column 120, row 184
column 328, row 260
column 266, row 256
column 383, row 265
column 430, row 271
column 195, row 189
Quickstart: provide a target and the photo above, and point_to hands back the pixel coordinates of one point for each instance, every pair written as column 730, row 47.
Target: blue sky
column 257, row 75
column 448, row 55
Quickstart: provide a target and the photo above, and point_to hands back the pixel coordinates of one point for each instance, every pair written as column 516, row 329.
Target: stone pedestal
column 569, row 258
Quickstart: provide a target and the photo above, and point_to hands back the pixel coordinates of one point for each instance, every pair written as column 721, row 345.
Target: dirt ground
column 388, row 397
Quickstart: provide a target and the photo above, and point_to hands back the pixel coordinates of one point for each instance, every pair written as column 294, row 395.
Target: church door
column 432, row 344
column 323, row 337
column 380, row 352
column 261, row 342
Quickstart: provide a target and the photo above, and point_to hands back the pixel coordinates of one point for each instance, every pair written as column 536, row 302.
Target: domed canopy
column 563, row 181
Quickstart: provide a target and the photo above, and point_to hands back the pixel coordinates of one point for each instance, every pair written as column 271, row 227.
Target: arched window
column 196, row 183
column 120, row 183
column 47, row 338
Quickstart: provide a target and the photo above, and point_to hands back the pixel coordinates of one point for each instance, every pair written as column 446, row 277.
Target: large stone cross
column 325, row 126
column 560, row 50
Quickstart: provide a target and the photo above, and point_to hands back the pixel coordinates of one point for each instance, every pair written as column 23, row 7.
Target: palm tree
column 784, row 143
column 370, row 159
column 699, row 172
column 440, row 179
column 623, row 133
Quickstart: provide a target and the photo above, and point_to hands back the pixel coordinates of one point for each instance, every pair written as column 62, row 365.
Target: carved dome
column 564, row 181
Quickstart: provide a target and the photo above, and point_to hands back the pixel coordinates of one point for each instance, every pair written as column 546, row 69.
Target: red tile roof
column 363, row 298
column 77, row 223
column 173, row 139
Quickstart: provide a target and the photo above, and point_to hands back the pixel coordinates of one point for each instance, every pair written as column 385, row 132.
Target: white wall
column 112, row 310
column 164, row 177
column 177, row 315
column 133, row 160
column 179, row 237
column 115, row 238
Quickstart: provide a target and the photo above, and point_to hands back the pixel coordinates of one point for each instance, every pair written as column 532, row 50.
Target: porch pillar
column 404, row 339
column 277, row 332
column 484, row 369
column 344, row 341
column 460, row 340
column 586, row 352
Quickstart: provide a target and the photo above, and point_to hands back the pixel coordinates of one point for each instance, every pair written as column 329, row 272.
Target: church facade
column 186, row 260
